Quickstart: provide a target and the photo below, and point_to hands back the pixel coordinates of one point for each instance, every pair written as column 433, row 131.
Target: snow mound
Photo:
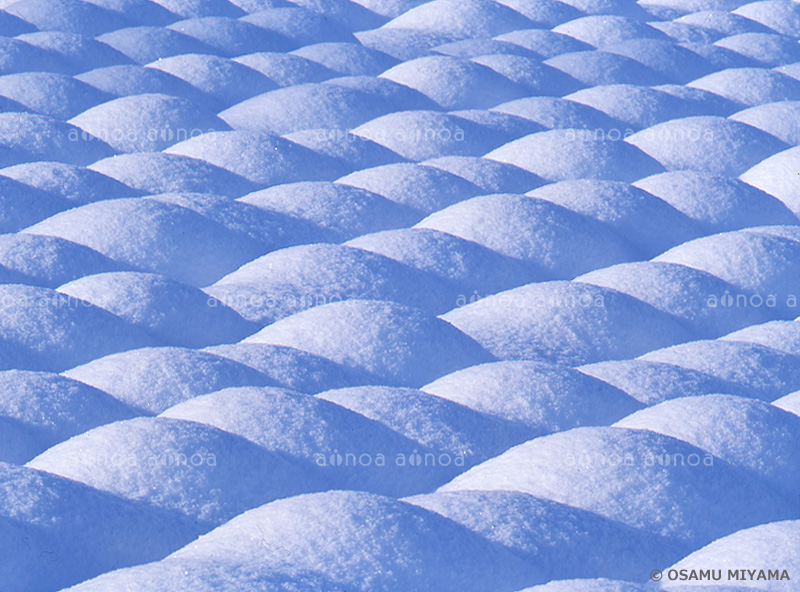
column 365, row 542
column 594, row 68
column 766, row 373
column 156, row 172
column 41, row 329
column 419, row 135
column 726, row 204
column 26, row 137
column 646, row 221
column 286, row 69
column 260, row 158
column 468, row 265
column 744, row 432
column 77, row 184
column 301, row 26
column 762, row 547
column 348, row 59
column 583, row 154
column 555, row 535
column 46, row 512
column 147, row 122
column 290, row 280
column 754, row 262
column 636, row 477
column 19, row 56
column 433, row 422
column 778, row 119
column 77, row 53
column 47, row 93
column 790, row 403
column 128, row 80
column 144, row 233
column 543, row 42
column 400, row 345
column 545, row 12
column 173, row 313
column 193, row 469
column 767, row 49
column 566, row 323
column 542, row 397
column 707, row 144
column 23, row 205
column 607, row 29
column 50, row 408
column 781, row 335
column 48, row 261
column 454, row 83
column 783, row 17
column 346, row 212
column 536, row 231
column 230, row 36
column 656, row 382
column 69, row 16
column 291, row 368
column 681, row 291
column 146, row 44
column 201, row 8
column 333, row 438
column 225, row 81
column 461, row 19
column 423, row 188
column 153, row 379
column 750, row 86
column 769, row 176
column 491, row 176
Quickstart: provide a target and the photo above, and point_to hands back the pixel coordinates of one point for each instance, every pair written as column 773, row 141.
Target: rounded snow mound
column 69, row 16
column 454, row 83
column 41, row 329
column 300, row 26
column 537, row 78
column 418, row 135
column 153, row 379
column 770, row 176
column 231, row 37
column 423, row 188
column 260, row 158
column 286, row 69
column 401, row 346
column 646, row 480
column 754, row 262
column 593, row 68
column 607, row 29
column 347, row 59
column 290, row 367
column 48, row 261
column 26, row 137
column 76, row 184
column 643, row 219
column 474, row 268
column 779, row 119
column 345, row 449
column 153, row 236
column 147, row 122
column 225, row 81
column 765, row 547
column 286, row 110
column 560, row 537
column 156, row 172
column 744, row 432
column 491, row 176
column 750, row 86
column 354, row 152
column 656, row 382
column 680, row 291
column 49, row 409
column 726, row 204
column 766, row 373
column 781, row 335
column 344, row 211
column 566, row 323
column 783, row 17
column 173, row 313
column 434, row 422
column 768, row 49
column 46, row 512
column 365, row 542
column 707, row 144
column 46, row 93
column 544, row 398
column 285, row 282
column 536, row 231
column 461, row 19
column 23, row 205
column 543, row 42
column 146, row 44
column 128, row 80
column 583, row 154
column 202, row 472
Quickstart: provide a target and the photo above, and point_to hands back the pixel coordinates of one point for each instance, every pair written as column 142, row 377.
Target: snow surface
column 398, row 295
